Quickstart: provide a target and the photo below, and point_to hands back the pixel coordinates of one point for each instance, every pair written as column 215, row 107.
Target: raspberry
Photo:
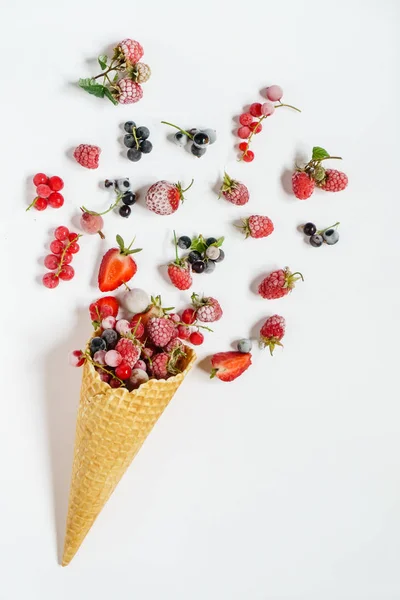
column 246, row 119
column 56, row 183
column 267, row 109
column 159, row 365
column 40, row 178
column 248, row 156
column 274, row 93
column 40, row 204
column 87, row 156
column 255, row 109
column 43, row 190
column 143, row 73
column 272, row 332
column 278, row 284
column 160, row 330
column 257, row 226
column 128, row 92
column 208, row 310
column 302, row 185
column 244, row 132
column 335, row 181
column 256, row 127
column 234, row 191
column 180, row 276
column 132, row 50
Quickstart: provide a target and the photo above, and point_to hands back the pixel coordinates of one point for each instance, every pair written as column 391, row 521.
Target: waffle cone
column 112, row 425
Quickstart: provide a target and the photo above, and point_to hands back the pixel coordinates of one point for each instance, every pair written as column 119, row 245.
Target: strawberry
column 117, row 266
column 208, row 310
column 155, row 310
column 164, row 197
column 102, row 308
column 160, row 330
column 278, row 284
column 272, row 332
column 179, row 271
column 257, row 226
column 234, row 191
column 227, row 366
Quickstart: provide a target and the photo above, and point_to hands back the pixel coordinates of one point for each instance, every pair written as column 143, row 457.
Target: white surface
column 284, row 484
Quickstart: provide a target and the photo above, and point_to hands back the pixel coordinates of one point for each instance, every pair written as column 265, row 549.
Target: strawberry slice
column 102, row 308
column 227, row 366
column 117, row 266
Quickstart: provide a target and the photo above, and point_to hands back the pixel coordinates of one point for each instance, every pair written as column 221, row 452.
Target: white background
column 285, row 483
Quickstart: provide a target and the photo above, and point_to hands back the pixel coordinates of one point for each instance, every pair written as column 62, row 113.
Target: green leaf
column 319, row 153
column 219, row 242
column 109, row 95
column 120, row 242
column 115, row 78
column 199, row 244
column 90, row 86
column 102, row 61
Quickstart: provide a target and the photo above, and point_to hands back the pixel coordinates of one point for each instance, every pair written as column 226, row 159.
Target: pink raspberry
column 143, row 73
column 132, row 50
column 128, row 92
column 334, row 181
column 129, row 352
column 87, row 155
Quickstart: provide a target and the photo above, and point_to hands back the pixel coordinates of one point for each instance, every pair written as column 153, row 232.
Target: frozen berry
column 114, row 383
column 146, row 146
column 198, row 266
column 128, row 198
column 123, row 326
column 98, row 357
column 51, row 262
column 74, row 248
column 201, row 139
column 309, row 229
column 246, row 119
column 248, row 156
column 92, row 223
column 67, row 273
column 50, row 280
column 55, row 183
column 184, row 242
column 188, row 316
column 212, row 135
column 56, row 247
column 212, row 252
column 61, row 233
column 129, row 140
column 196, row 338
column 267, row 109
column 180, row 138
column 210, row 266
column 316, row 240
column 198, row 151
column 40, row 204
column 108, row 322
column 243, row 146
column 108, row 183
column 274, row 93
column 255, row 109
column 43, row 190
column 112, row 358
column 55, row 200
column 142, row 133
column 123, row 371
column 40, row 178
column 256, row 127
column 110, row 337
column 244, row 132
column 123, row 184
column 134, row 154
column 193, row 256
column 210, row 240
column 67, row 258
column 244, row 345
column 125, row 210
column 129, row 125
column 183, row 332
column 221, row 256
column 331, row 236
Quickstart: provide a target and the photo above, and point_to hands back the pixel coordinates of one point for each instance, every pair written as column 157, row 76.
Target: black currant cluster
column 136, row 139
column 204, row 253
column 199, row 139
column 329, row 236
column 122, row 188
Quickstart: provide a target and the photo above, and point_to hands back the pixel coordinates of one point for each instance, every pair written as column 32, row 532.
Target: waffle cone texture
column 112, row 425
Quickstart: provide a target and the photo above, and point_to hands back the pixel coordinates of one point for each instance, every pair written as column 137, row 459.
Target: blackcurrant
column 221, row 256
column 201, row 139
column 108, row 183
column 210, row 241
column 198, row 266
column 210, row 266
column 129, row 140
column 134, row 154
column 184, row 242
column 146, row 146
column 129, row 125
column 316, row 240
column 128, row 198
column 194, row 256
column 309, row 229
column 142, row 132
column 197, row 151
column 125, row 210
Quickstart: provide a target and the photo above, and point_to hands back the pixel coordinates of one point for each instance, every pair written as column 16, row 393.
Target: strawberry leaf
column 109, row 95
column 120, row 242
column 319, row 153
column 102, row 59
column 90, row 86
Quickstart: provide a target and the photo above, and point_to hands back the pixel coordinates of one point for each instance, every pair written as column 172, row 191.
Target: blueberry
column 212, row 252
column 331, row 236
column 146, row 146
column 184, row 242
column 97, row 343
column 134, row 154
column 244, row 345
column 212, row 135
column 180, row 138
column 210, row 241
column 110, row 338
column 309, row 229
column 142, row 133
column 210, row 266
column 316, row 240
column 125, row 210
column 129, row 125
column 129, row 140
column 201, row 139
column 128, row 198
column 198, row 266
column 197, row 151
column 123, row 184
column 221, row 256
column 194, row 256
column 108, row 183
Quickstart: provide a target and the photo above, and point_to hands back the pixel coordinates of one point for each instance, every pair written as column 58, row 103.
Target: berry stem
column 328, row 158
column 330, row 227
column 97, row 214
column 95, row 364
column 32, row 203
column 60, row 266
column 297, row 273
column 260, row 120
column 188, row 188
column 178, row 128
column 287, row 105
column 195, row 324
column 176, row 249
column 110, row 68
column 135, row 136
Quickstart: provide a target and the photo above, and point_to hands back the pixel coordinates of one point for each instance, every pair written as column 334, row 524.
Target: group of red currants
column 63, row 247
column 47, row 192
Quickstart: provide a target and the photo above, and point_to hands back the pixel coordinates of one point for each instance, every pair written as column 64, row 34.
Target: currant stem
column 287, row 105
column 135, row 136
column 330, row 227
column 61, row 265
column 188, row 188
column 176, row 249
column 32, row 203
column 97, row 214
column 260, row 120
column 297, row 273
column 95, row 364
column 178, row 128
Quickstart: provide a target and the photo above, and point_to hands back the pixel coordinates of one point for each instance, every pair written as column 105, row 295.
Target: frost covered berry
column 127, row 91
column 87, row 155
column 131, row 49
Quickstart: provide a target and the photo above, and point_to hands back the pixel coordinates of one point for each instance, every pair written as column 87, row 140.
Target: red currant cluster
column 251, row 121
column 48, row 192
column 63, row 247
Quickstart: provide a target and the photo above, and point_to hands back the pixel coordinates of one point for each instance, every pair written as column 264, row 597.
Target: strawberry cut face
column 115, row 269
column 227, row 366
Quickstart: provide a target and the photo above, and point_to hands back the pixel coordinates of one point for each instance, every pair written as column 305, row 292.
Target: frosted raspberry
column 132, row 50
column 302, row 185
column 143, row 73
column 129, row 352
column 87, row 156
column 127, row 91
column 335, row 181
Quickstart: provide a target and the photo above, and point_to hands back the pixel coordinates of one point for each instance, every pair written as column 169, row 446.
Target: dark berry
column 201, row 139
column 128, row 198
column 331, row 236
column 198, row 266
column 110, row 337
column 108, row 183
column 198, row 151
column 194, row 256
column 210, row 266
column 142, row 132
column 129, row 140
column 309, row 229
column 184, row 242
column 210, row 241
column 97, row 343
column 129, row 125
column 221, row 256
column 134, row 154
column 146, row 146
column 192, row 131
column 316, row 240
column 125, row 210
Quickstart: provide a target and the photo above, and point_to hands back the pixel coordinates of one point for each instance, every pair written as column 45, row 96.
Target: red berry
column 56, row 183
column 245, row 119
column 39, row 178
column 188, row 316
column 43, row 190
column 51, row 262
column 183, row 332
column 114, row 383
column 123, row 371
column 249, row 156
column 74, row 248
column 243, row 146
column 244, row 132
column 67, row 258
column 50, row 280
column 56, row 200
column 256, row 127
column 73, row 237
column 137, row 326
column 196, row 338
column 56, row 247
column 61, row 233
column 255, row 109
column 67, row 273
column 40, row 204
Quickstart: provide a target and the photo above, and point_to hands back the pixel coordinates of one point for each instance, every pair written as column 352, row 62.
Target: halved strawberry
column 117, row 266
column 227, row 366
column 104, row 307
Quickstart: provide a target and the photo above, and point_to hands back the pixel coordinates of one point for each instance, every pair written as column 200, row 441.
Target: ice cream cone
column 112, row 425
